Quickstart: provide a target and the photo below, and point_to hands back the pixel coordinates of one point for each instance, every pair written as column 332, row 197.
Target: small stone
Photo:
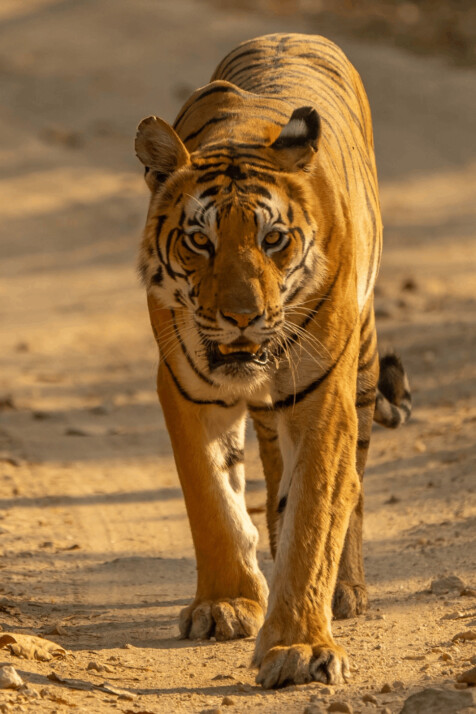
column 222, row 676
column 419, row 446
column 9, row 678
column 314, row 709
column 409, row 284
column 469, row 677
column 468, row 592
column 340, row 707
column 446, row 657
column 465, row 636
column 438, row 701
column 324, row 689
column 398, row 684
column 440, row 586
column 386, row 688
column 385, row 710
column 370, row 698
column 217, row 710
column 415, row 657
column 228, row 702
column 461, row 685
column 392, row 500
column 29, row 692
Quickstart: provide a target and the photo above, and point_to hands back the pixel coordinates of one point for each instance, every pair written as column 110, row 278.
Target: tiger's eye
column 199, row 239
column 273, row 238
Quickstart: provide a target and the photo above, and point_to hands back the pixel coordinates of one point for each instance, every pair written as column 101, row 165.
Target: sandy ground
column 95, row 545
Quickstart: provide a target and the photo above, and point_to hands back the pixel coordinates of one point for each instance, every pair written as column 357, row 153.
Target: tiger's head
column 233, row 242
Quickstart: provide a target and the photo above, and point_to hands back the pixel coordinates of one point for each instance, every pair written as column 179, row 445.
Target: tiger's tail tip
column 393, row 403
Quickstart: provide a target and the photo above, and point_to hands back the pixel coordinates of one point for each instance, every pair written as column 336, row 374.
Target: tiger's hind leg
column 350, row 595
column 266, row 431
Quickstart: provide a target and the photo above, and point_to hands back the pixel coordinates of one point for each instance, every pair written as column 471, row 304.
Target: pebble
column 370, row 698
column 468, row 592
column 440, row 586
column 217, row 710
column 438, row 701
column 29, row 692
column 98, row 667
column 461, row 685
column 340, row 707
column 385, row 710
column 469, row 677
column 398, row 684
column 325, row 690
column 446, row 657
column 386, row 688
column 9, row 678
column 313, row 709
column 228, row 702
column 466, row 635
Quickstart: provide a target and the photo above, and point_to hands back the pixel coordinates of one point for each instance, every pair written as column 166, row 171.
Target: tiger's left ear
column 297, row 142
column 160, row 149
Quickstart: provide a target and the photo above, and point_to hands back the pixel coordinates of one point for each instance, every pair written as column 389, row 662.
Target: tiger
column 259, row 256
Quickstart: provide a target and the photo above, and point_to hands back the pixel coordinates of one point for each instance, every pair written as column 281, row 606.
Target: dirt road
column 95, row 545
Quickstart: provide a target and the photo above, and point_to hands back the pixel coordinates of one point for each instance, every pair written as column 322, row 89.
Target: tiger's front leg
column 320, row 488
column 208, row 443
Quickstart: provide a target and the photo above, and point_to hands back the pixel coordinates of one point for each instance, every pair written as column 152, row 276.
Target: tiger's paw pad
column 300, row 664
column 350, row 600
column 227, row 619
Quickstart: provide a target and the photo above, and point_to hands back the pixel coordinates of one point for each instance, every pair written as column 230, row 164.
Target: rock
column 9, row 678
column 469, row 677
column 385, row 710
column 228, row 702
column 398, row 684
column 212, row 711
column 29, row 692
column 440, row 586
column 222, row 676
column 438, row 701
column 461, row 685
column 466, row 635
column 314, row 709
column 386, row 688
column 98, row 667
column 446, row 657
column 468, row 592
column 340, row 707
column 370, row 698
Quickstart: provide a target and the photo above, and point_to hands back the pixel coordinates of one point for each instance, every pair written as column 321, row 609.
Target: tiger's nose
column 241, row 319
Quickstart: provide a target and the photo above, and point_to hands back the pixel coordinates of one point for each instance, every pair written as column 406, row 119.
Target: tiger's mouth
column 239, row 351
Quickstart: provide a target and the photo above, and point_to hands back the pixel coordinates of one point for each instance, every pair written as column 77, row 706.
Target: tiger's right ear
column 160, row 149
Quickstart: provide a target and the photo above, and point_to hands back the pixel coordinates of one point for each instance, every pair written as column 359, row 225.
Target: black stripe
column 234, row 456
column 207, row 93
column 282, row 504
column 189, row 398
column 293, row 399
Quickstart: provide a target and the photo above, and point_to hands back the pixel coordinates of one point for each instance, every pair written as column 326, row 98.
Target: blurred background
column 84, row 453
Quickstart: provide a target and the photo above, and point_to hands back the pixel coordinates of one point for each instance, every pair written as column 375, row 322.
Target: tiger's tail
column 393, row 403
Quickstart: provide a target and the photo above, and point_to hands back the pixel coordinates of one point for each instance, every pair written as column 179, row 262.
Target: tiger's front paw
column 350, row 600
column 227, row 619
column 299, row 664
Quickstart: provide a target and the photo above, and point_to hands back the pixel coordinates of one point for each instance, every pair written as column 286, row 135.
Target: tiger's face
column 233, row 253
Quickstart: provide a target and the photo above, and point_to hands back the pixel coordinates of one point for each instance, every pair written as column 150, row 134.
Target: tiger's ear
column 297, row 142
column 160, row 149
